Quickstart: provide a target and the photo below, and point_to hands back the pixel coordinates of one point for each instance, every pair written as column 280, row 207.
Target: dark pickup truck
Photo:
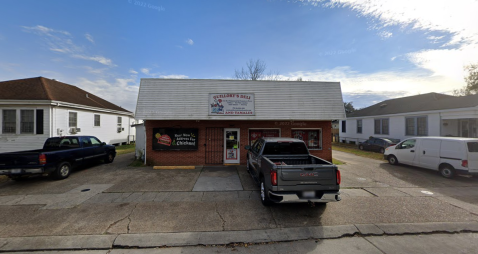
column 287, row 173
column 57, row 158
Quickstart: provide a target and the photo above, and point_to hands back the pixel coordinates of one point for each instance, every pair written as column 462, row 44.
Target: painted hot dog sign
column 230, row 104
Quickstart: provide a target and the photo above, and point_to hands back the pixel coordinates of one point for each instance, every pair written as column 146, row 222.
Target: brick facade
column 182, row 158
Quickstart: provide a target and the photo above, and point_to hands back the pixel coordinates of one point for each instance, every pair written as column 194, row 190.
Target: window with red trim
column 312, row 138
column 256, row 134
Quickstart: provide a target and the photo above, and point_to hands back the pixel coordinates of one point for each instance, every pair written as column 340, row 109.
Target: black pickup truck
column 57, row 158
column 287, row 173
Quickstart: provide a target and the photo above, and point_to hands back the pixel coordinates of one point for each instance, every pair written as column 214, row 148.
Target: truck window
column 61, row 143
column 86, row 142
column 94, row 141
column 285, row 148
column 472, row 147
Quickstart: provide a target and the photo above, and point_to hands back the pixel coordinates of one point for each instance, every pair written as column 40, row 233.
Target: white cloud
column 189, row 41
column 90, row 38
column 385, row 34
column 133, row 71
column 174, row 76
column 122, row 92
column 61, row 42
column 385, row 84
column 145, row 71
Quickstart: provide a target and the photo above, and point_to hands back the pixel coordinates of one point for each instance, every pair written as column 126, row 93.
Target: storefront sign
column 231, row 104
column 175, row 139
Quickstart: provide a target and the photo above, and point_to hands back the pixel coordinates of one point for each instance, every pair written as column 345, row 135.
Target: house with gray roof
column 430, row 114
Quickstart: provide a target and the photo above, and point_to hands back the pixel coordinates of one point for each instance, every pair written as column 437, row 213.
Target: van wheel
column 361, row 147
column 265, row 194
column 382, row 150
column 392, row 160
column 62, row 171
column 447, row 171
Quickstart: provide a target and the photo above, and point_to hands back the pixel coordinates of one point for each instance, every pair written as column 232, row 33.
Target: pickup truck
column 287, row 173
column 57, row 158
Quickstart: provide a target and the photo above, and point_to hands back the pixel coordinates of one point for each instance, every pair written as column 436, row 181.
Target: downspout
column 145, row 140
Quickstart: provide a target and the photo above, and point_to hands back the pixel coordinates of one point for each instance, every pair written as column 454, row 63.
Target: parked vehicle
column 287, row 173
column 377, row 144
column 57, row 158
column 450, row 156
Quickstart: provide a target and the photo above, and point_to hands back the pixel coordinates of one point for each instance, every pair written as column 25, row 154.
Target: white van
column 448, row 155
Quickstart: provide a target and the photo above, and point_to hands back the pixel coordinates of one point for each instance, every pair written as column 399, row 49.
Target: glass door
column 231, row 146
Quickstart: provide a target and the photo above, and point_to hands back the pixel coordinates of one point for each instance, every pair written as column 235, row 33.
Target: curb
column 151, row 240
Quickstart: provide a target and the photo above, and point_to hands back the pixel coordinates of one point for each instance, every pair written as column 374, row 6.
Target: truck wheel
column 62, row 171
column 392, row 160
column 265, row 194
column 110, row 157
column 447, row 171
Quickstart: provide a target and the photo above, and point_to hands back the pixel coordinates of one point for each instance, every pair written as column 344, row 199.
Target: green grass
column 125, row 149
column 136, row 163
column 337, row 162
column 353, row 149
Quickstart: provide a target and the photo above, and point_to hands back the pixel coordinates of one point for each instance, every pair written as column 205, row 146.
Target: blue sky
column 376, row 49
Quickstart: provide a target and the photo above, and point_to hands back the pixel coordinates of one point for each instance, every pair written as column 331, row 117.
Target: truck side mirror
column 103, row 143
column 247, row 147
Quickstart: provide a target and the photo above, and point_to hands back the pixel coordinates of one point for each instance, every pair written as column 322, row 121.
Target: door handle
column 424, row 152
column 412, row 151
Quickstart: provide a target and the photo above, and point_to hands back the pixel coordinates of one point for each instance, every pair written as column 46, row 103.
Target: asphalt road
column 108, row 199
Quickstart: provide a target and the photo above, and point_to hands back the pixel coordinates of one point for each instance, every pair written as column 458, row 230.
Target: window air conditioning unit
column 119, row 129
column 122, row 129
column 73, row 130
column 78, row 129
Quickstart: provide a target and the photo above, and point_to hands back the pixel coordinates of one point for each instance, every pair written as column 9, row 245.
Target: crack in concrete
column 118, row 221
column 129, row 217
column 220, row 216
column 273, row 218
column 4, row 245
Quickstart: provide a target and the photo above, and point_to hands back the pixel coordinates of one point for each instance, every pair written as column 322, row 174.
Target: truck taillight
column 464, row 163
column 339, row 178
column 42, row 159
column 274, row 177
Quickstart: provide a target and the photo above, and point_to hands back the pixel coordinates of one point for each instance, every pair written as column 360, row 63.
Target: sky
column 377, row 49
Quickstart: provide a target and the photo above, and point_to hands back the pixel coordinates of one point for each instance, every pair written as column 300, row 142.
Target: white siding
column 182, row 99
column 18, row 142
column 106, row 132
column 140, row 141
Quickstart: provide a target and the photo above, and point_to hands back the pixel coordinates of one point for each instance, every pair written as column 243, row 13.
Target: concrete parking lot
column 115, row 199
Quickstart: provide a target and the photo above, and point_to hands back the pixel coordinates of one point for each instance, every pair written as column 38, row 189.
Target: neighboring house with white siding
column 34, row 109
column 430, row 114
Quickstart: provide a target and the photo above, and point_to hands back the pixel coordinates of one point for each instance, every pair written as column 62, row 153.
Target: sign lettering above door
column 231, row 104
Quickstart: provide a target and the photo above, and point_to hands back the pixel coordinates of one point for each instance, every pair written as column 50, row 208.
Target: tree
column 471, row 80
column 349, row 108
column 255, row 71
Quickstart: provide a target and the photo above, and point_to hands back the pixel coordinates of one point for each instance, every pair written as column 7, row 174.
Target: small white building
column 34, row 109
column 430, row 114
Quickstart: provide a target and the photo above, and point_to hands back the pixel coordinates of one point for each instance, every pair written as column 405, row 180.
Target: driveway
column 117, row 199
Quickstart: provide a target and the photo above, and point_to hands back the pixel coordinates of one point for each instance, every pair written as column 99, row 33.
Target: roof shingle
column 41, row 88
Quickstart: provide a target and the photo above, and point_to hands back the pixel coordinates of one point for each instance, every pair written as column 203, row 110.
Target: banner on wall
column 175, row 139
column 234, row 104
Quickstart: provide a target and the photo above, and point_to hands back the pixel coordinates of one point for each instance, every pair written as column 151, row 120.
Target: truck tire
column 266, row 201
column 62, row 171
column 447, row 171
column 392, row 160
column 110, row 157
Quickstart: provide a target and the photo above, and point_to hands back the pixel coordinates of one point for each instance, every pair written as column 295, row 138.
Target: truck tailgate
column 8, row 160
column 308, row 174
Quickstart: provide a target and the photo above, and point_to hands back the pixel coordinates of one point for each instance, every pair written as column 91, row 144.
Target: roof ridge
column 45, row 87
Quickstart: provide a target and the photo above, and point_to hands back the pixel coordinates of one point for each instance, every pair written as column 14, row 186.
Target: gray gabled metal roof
column 188, row 99
column 417, row 103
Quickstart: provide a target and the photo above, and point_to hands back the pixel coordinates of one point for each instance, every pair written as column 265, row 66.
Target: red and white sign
column 233, row 104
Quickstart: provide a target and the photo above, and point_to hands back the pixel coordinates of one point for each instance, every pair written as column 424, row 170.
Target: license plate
column 308, row 194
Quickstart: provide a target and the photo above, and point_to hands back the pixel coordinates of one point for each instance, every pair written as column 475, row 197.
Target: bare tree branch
column 255, row 71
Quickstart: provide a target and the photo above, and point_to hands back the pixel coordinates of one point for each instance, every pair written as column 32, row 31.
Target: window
column 359, row 126
column 9, row 121
column 97, row 120
column 284, row 148
column 119, row 124
column 94, row 141
column 312, row 138
column 86, row 142
column 416, row 126
column 256, row 134
column 381, row 126
column 72, row 119
column 343, row 126
column 407, row 144
column 27, row 120
column 56, row 143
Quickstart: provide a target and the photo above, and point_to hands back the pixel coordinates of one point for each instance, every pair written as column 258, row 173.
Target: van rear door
column 428, row 155
column 472, row 147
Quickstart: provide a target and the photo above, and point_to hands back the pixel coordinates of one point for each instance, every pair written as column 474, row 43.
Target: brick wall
column 199, row 157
